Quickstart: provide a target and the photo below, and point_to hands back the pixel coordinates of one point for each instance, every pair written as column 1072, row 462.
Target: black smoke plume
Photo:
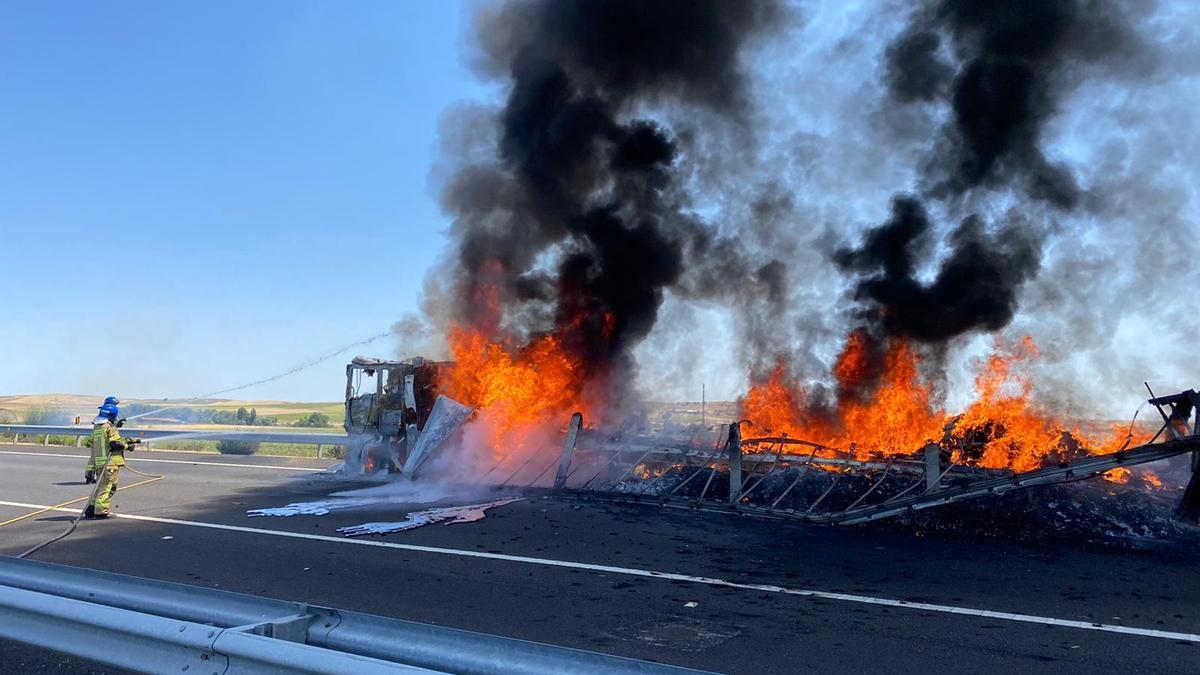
column 975, row 287
column 1001, row 69
column 577, row 224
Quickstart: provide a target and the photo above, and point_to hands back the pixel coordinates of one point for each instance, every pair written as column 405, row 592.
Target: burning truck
column 399, row 416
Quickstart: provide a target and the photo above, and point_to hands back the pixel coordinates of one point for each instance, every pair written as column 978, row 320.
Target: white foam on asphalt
column 466, row 513
column 171, row 461
column 670, row 576
column 319, row 508
column 392, row 494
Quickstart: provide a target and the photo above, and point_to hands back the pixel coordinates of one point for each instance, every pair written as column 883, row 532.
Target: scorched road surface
column 709, row 591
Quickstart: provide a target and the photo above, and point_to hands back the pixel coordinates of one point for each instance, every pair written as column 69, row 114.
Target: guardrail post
column 46, row 439
column 319, row 449
column 16, row 437
column 78, row 441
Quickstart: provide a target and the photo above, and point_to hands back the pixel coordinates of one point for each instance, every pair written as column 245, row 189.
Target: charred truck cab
column 387, row 406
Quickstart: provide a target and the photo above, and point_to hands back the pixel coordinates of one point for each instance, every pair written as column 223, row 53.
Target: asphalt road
column 711, row 591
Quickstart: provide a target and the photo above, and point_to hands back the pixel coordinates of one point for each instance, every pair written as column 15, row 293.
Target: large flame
column 525, row 391
column 1001, row 428
column 896, row 418
column 519, row 390
column 1015, row 435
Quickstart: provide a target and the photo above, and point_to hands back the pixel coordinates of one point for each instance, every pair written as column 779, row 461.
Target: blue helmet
column 112, row 400
column 110, row 411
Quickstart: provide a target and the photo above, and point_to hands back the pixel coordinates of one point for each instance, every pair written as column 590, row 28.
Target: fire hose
column 91, row 499
column 153, row 478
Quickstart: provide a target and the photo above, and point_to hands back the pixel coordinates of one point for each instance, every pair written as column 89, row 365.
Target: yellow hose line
column 147, row 475
column 73, row 501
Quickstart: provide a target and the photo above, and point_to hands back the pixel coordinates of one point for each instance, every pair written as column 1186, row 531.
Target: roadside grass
column 187, row 445
column 241, row 427
column 38, row 439
column 264, row 449
column 300, row 450
column 42, row 415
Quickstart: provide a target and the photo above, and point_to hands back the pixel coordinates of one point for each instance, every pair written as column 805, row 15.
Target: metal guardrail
column 155, row 644
column 45, row 431
column 158, row 626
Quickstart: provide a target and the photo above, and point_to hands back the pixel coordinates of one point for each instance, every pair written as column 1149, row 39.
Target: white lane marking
column 672, row 576
column 169, row 461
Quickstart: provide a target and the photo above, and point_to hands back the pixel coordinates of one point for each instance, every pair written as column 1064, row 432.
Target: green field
column 65, row 407
column 284, row 411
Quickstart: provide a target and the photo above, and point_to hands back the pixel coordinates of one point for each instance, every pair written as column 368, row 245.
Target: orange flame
column 897, row 418
column 1017, row 436
column 524, row 392
column 518, row 390
column 1001, row 428
column 1122, row 476
column 852, row 365
column 774, row 406
column 1119, row 475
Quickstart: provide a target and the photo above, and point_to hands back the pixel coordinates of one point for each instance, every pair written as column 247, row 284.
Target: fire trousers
column 108, row 485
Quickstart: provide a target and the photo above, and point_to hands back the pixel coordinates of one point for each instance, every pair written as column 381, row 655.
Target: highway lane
column 746, row 627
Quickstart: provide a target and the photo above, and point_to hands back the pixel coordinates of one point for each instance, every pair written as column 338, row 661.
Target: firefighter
column 89, row 471
column 108, row 456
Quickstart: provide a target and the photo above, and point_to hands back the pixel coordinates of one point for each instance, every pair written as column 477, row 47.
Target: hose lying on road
column 75, row 521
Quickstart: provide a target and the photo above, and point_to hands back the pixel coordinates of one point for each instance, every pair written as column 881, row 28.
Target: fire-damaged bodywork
column 388, row 403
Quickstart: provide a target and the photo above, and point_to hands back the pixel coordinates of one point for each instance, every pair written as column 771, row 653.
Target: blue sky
column 196, row 195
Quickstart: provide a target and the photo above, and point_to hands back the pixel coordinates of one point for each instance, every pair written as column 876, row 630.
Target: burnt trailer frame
column 604, row 464
column 1175, row 411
